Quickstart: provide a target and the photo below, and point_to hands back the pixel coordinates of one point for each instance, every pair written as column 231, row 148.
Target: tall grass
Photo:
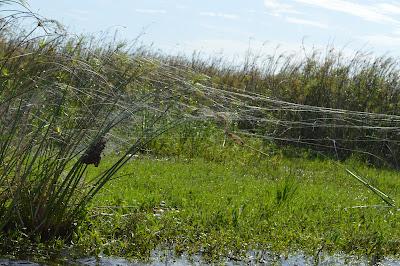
column 62, row 100
column 324, row 100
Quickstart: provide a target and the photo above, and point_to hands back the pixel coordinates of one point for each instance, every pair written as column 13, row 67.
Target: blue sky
column 232, row 26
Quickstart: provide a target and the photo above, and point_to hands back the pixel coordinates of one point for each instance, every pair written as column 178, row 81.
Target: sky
column 232, row 27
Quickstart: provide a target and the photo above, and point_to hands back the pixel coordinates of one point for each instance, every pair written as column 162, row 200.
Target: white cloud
column 151, row 11
column 381, row 40
column 389, row 8
column 306, row 22
column 375, row 13
column 277, row 8
column 220, row 15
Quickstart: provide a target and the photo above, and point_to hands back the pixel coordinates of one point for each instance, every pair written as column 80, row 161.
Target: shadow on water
column 253, row 258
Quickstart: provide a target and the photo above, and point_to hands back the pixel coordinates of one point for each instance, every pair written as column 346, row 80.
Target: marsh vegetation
column 117, row 151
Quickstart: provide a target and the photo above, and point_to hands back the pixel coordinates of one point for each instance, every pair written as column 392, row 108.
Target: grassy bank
column 225, row 209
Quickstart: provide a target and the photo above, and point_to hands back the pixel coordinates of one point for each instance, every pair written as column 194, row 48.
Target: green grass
column 229, row 208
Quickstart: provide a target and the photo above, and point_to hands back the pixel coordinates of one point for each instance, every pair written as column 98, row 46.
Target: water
column 17, row 262
column 253, row 258
column 265, row 259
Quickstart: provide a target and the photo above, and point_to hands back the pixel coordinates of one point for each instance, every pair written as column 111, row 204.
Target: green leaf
column 5, row 72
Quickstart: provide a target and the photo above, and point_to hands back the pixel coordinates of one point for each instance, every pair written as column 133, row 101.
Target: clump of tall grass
column 285, row 190
column 62, row 100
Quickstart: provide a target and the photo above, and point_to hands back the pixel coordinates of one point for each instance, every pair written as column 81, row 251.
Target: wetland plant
column 61, row 99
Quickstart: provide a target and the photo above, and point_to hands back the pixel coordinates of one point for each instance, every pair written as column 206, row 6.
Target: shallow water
column 17, row 262
column 254, row 258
